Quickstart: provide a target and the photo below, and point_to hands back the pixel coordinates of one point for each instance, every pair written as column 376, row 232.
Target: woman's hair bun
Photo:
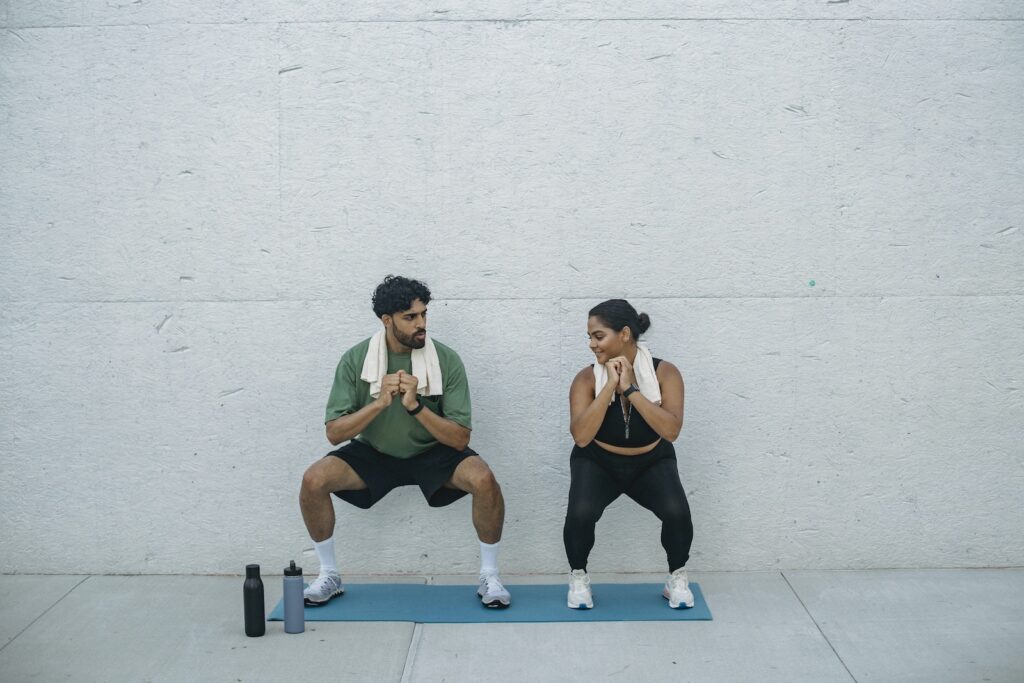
column 645, row 322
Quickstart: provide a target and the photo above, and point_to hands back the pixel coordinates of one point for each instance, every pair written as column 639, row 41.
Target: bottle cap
column 252, row 571
column 292, row 570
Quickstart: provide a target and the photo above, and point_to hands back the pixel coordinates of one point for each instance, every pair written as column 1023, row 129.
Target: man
column 403, row 428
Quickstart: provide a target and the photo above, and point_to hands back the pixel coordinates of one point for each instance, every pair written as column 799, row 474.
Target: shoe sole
column 496, row 604
column 581, row 605
column 681, row 605
column 310, row 603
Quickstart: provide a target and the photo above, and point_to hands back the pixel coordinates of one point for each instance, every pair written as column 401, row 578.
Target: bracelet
column 417, row 409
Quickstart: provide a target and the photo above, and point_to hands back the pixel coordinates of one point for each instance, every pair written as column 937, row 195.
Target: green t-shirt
column 394, row 431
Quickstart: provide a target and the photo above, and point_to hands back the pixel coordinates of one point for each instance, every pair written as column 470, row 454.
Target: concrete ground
column 883, row 625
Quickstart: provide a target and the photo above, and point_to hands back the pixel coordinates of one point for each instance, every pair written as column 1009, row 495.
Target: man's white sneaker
column 579, row 590
column 677, row 590
column 325, row 587
column 492, row 593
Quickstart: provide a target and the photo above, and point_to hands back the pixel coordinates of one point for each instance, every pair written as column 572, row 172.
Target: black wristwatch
column 629, row 390
column 418, row 408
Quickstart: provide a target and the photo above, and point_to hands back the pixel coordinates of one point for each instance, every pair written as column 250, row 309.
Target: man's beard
column 411, row 341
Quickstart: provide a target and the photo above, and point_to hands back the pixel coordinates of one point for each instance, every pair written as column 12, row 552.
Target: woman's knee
column 582, row 515
column 675, row 513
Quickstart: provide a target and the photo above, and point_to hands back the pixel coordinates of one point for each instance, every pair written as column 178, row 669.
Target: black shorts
column 429, row 470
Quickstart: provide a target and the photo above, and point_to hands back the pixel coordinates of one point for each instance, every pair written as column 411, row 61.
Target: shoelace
column 323, row 582
column 492, row 584
column 580, row 583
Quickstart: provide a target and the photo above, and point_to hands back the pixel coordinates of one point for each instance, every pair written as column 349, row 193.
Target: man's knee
column 314, row 479
column 326, row 475
column 483, row 482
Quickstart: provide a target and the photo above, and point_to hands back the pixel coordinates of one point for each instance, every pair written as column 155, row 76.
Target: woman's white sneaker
column 677, row 590
column 579, row 590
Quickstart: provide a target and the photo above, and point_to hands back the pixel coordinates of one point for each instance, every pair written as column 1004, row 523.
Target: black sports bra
column 613, row 427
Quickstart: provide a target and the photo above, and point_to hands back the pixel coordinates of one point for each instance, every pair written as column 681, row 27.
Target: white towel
column 643, row 368
column 425, row 367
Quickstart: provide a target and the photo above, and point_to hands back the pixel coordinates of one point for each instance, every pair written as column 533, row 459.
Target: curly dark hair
column 619, row 313
column 396, row 294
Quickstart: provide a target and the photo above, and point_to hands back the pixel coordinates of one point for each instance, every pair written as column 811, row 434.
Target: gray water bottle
column 294, row 605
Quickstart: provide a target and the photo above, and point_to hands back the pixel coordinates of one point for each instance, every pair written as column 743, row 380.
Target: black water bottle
column 252, row 594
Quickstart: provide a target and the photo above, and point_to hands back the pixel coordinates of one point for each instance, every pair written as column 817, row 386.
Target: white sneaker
column 325, row 587
column 677, row 590
column 492, row 593
column 579, row 590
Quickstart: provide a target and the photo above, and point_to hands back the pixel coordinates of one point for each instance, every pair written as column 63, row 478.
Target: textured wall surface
column 820, row 205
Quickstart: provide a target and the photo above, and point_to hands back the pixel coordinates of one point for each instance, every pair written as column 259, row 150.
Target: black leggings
column 651, row 479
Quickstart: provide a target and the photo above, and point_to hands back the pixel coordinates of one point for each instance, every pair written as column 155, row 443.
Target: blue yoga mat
column 459, row 604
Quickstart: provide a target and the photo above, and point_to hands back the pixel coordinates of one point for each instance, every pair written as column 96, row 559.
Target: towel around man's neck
column 425, row 367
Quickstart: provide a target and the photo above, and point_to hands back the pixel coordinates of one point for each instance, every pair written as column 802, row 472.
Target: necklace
column 626, row 414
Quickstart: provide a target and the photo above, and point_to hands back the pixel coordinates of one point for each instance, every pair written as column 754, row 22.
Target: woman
column 625, row 410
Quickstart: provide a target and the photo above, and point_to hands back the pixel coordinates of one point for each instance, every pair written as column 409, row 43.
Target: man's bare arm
column 348, row 426
column 444, row 430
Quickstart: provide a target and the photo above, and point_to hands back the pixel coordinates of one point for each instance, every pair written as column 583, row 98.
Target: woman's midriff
column 619, row 450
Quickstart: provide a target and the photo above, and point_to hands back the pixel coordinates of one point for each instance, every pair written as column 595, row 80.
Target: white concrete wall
column 820, row 204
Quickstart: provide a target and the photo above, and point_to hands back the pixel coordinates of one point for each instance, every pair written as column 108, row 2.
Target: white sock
column 325, row 551
column 489, row 558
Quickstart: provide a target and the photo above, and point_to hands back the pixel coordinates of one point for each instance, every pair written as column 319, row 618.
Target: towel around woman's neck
column 425, row 366
column 643, row 368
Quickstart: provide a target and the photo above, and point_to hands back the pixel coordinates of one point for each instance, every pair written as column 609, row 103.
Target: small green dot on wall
column 810, row 283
